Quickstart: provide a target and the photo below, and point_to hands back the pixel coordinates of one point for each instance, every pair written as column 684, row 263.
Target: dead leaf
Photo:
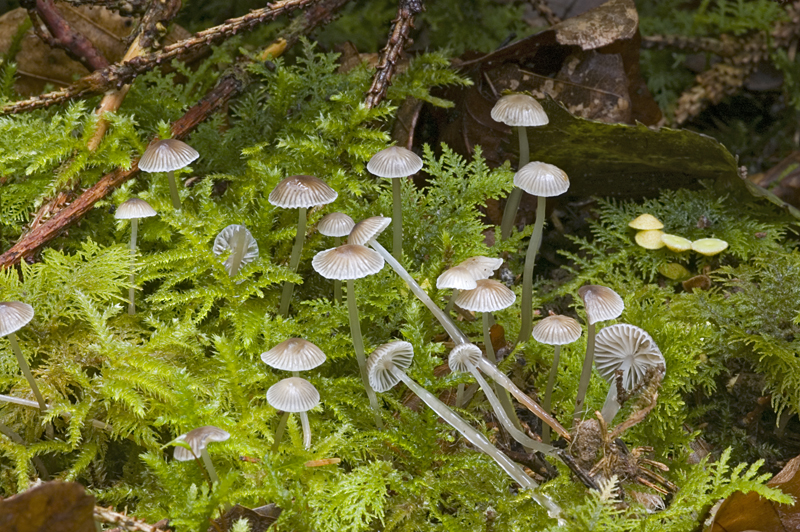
column 49, row 507
column 260, row 519
column 783, row 179
column 601, row 26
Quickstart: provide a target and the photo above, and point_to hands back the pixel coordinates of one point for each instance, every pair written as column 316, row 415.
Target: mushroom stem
column 527, row 273
column 512, row 203
column 477, row 439
column 451, row 301
column 132, row 289
column 489, row 348
column 451, row 328
column 397, row 219
column 212, row 473
column 294, row 261
column 306, row 430
column 279, row 432
column 337, row 284
column 16, row 438
column 173, row 190
column 586, row 372
column 551, row 381
column 611, row 405
column 358, row 345
column 238, row 248
column 26, row 370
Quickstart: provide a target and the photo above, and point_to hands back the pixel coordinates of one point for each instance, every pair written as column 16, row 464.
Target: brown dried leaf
column 783, row 179
column 50, row 507
column 603, row 25
column 260, row 519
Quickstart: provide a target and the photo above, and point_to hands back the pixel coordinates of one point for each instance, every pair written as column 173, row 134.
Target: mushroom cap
column 519, row 110
column 383, row 359
column 676, row 243
column 542, row 179
column 350, row 261
column 293, row 395
column 394, row 161
column 644, row 222
column 224, row 242
column 14, row 315
column 458, row 278
column 301, row 191
column 489, row 296
column 650, row 239
column 336, row 224
column 167, row 155
column 556, row 330
column 481, row 267
column 464, row 356
column 626, row 348
column 601, row 303
column 709, row 246
column 134, row 208
column 198, row 439
column 294, row 354
column 367, row 229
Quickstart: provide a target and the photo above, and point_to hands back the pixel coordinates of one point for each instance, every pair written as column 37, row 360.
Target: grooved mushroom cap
column 464, row 356
column 367, row 229
column 294, row 354
column 601, row 303
column 458, row 278
column 293, row 395
column 650, row 239
column 556, row 330
column 644, row 222
column 519, row 110
column 394, row 162
column 198, row 439
column 14, row 315
column 481, row 267
column 626, row 348
column 301, row 191
column 134, row 208
column 167, row 155
column 709, row 246
column 676, row 243
column 383, row 359
column 350, row 261
column 489, row 296
column 336, row 224
column 542, row 179
column 225, row 242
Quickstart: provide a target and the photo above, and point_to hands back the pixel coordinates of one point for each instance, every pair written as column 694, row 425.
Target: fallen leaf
column 49, row 507
column 260, row 519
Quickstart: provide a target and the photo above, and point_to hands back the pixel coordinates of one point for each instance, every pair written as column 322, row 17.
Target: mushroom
column 456, row 278
column 168, row 155
column 198, row 439
column 650, row 239
column 543, row 181
column 601, row 304
column 520, row 111
column 395, row 163
column 299, row 192
column 347, row 263
column 481, row 267
column 709, row 246
column 629, row 349
column 386, row 367
column 133, row 210
column 241, row 244
column 337, row 225
column 676, row 243
column 645, row 222
column 554, row 330
column 294, row 354
column 14, row 315
column 295, row 395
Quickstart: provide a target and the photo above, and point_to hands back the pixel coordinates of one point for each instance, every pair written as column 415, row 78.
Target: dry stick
column 125, row 7
column 127, row 522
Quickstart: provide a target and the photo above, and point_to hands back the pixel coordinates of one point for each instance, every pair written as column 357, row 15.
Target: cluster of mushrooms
column 623, row 354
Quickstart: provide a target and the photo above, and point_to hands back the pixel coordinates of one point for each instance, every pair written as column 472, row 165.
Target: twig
column 125, row 7
column 123, row 521
column 390, row 54
column 545, row 11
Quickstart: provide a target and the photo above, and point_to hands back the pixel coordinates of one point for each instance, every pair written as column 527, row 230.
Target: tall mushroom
column 456, row 278
column 198, row 440
column 299, row 192
column 14, row 315
column 133, row 210
column 295, row 395
column 337, row 225
column 168, row 155
column 395, row 163
column 241, row 244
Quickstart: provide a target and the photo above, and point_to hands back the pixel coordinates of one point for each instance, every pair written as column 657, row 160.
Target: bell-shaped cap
column 709, row 246
column 601, row 303
column 488, row 296
column 458, row 278
column 226, row 239
column 626, row 348
column 302, row 191
column 463, row 357
column 542, row 179
column 645, row 222
column 198, row 439
column 350, row 261
column 519, row 110
column 394, row 162
column 676, row 243
column 294, row 354
column 336, row 224
column 293, row 395
column 380, row 363
column 367, row 229
column 167, row 155
column 481, row 267
column 650, row 239
column 134, row 208
column 14, row 315
column 556, row 330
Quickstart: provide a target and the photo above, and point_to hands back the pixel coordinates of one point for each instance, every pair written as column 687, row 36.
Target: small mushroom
column 650, row 239
column 676, row 243
column 481, row 267
column 14, row 315
column 168, row 155
column 709, row 246
column 198, row 440
column 133, row 210
column 456, row 278
column 294, row 354
column 241, row 244
column 297, row 396
column 645, row 222
column 337, row 225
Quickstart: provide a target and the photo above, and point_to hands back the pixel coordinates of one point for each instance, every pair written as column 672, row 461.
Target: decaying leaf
column 260, row 519
column 783, row 179
column 50, row 507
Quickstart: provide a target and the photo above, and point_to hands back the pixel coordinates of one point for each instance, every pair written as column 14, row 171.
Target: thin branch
column 123, row 521
column 125, row 7
column 544, row 10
